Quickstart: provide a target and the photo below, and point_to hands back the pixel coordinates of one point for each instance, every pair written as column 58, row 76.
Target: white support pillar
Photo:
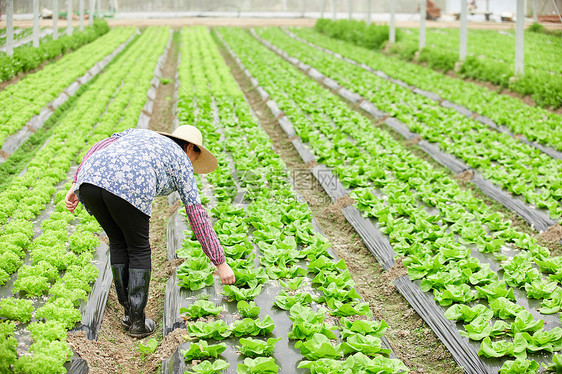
column 10, row 27
column 81, row 15
column 284, row 5
column 392, row 31
column 520, row 38
column 368, row 12
column 323, row 9
column 99, row 9
column 535, row 11
column 334, row 10
column 55, row 19
column 303, row 7
column 92, row 11
column 35, row 23
column 69, row 17
column 350, row 7
column 423, row 14
column 464, row 31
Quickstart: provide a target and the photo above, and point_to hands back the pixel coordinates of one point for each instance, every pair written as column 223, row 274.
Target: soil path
column 115, row 351
column 411, row 339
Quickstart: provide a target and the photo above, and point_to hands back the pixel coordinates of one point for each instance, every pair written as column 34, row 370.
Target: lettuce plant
column 362, row 327
column 48, row 357
column 367, row 344
column 257, row 348
column 554, row 303
column 461, row 312
column 524, row 322
column 285, row 301
column 9, row 344
column 307, row 322
column 258, row 365
column 202, row 350
column 217, row 330
column 520, row 365
column 550, row 341
column 480, row 328
column 208, row 367
column 60, row 310
column 16, row 309
column 319, row 346
column 236, row 293
column 556, row 365
column 504, row 309
column 248, row 309
column 252, row 327
column 516, row 348
column 293, row 284
column 50, row 330
column 201, row 308
column 340, row 309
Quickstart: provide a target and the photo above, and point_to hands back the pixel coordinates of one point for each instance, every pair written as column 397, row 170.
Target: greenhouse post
column 35, row 23
column 10, row 27
column 69, row 17
column 423, row 7
column 55, row 19
column 463, row 33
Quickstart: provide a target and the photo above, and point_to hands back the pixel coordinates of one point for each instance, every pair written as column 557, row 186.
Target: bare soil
column 115, row 351
column 552, row 239
column 411, row 339
column 464, row 177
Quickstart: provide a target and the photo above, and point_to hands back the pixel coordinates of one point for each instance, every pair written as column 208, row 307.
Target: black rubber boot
column 139, row 280
column 121, row 282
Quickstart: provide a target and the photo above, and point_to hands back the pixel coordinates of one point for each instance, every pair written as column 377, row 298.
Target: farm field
column 490, row 59
column 378, row 217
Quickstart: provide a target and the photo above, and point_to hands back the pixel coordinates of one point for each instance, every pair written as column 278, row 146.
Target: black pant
column 126, row 226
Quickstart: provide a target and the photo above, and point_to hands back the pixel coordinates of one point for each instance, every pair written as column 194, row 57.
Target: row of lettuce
column 535, row 123
column 49, row 288
column 281, row 234
column 491, row 55
column 427, row 217
column 27, row 57
column 520, row 169
column 24, row 99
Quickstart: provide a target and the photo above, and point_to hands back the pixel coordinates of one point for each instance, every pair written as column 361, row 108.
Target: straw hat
column 206, row 162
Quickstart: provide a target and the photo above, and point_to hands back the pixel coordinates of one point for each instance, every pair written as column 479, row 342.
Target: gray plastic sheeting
column 374, row 240
column 92, row 310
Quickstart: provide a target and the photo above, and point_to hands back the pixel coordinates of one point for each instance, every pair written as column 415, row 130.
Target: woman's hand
column 226, row 274
column 71, row 200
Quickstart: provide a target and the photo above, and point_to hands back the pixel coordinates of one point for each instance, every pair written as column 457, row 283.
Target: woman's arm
column 199, row 219
column 204, row 232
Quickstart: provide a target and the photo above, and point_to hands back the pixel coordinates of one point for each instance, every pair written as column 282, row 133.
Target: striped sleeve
column 99, row 145
column 204, row 232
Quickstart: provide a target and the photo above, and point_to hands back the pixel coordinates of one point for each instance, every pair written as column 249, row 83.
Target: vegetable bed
column 285, row 269
column 518, row 168
column 48, row 258
column 460, row 249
